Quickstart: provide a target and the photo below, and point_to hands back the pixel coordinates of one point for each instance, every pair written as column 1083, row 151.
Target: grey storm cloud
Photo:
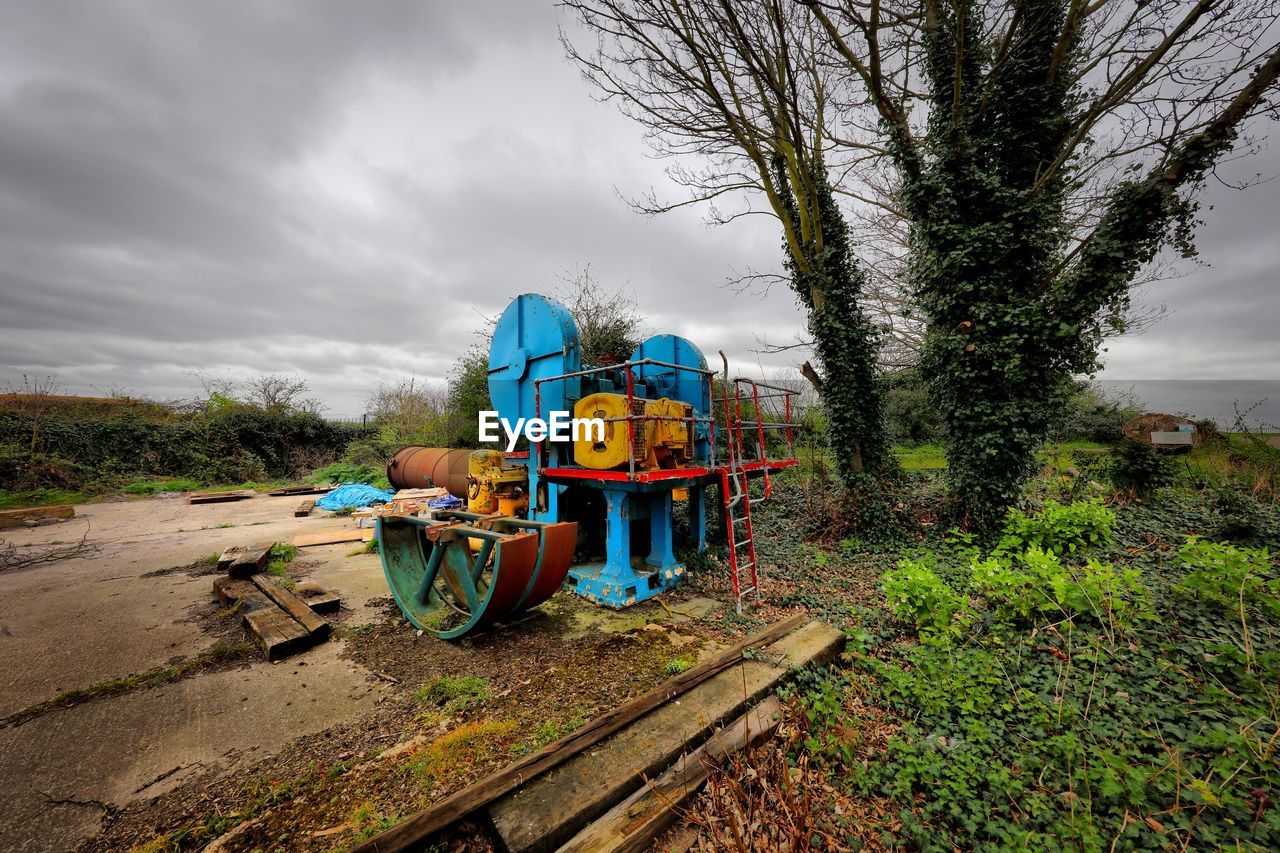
column 346, row 190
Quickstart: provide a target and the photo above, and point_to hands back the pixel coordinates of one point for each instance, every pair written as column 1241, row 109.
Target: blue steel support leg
column 660, row 550
column 698, row 516
column 617, row 546
column 618, row 583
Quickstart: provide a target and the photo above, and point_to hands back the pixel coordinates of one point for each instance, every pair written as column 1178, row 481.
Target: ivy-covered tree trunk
column 829, row 286
column 985, row 239
column 1010, row 316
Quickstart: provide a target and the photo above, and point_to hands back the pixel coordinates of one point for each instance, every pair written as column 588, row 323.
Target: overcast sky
column 345, row 190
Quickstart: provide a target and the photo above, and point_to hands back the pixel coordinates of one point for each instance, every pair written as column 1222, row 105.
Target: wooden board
column 317, row 597
column 301, row 490
column 274, row 630
column 418, row 828
column 635, row 822
column 231, row 590
column 547, row 811
column 15, row 517
column 218, row 497
column 291, row 604
column 250, row 561
column 304, row 509
column 332, row 537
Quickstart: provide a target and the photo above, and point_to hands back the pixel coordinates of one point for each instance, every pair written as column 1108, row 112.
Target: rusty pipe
column 420, row 467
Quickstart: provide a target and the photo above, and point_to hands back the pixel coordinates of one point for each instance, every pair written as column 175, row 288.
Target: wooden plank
column 275, row 632
column 300, row 490
column 218, row 497
column 291, row 604
column 634, row 823
column 332, row 537
column 231, row 590
column 548, row 810
column 304, row 509
column 251, row 561
column 317, row 597
column 16, row 517
column 413, row 833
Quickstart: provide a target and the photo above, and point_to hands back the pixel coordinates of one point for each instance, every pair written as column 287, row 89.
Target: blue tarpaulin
column 445, row 501
column 353, row 494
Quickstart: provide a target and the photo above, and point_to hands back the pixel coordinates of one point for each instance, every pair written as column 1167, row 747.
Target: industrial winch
column 605, row 495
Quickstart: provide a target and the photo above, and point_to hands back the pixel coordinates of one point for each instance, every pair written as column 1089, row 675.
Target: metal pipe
column 420, row 467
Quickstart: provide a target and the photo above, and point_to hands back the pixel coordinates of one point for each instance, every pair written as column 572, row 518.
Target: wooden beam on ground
column 304, row 509
column 300, row 490
column 218, row 497
column 549, row 810
column 332, row 537
column 317, row 597
column 293, row 605
column 16, row 517
column 276, row 632
column 634, row 823
column 249, row 561
column 415, row 831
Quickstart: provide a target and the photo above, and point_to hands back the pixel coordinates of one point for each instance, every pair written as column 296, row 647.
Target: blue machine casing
column 536, row 338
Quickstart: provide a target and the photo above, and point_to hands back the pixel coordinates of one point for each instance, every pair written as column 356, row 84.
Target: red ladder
column 735, row 492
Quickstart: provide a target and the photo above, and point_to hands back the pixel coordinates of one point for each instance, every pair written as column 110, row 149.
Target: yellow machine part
column 493, row 486
column 658, row 443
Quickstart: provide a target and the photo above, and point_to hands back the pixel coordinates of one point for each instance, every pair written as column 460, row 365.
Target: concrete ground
column 75, row 623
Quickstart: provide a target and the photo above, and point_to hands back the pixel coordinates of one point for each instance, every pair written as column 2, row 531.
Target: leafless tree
column 698, row 76
column 278, row 392
column 609, row 322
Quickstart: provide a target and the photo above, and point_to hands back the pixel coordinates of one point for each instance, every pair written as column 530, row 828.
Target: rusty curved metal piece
column 446, row 587
column 417, row 467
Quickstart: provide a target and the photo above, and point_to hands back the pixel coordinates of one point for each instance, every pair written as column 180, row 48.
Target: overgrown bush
column 1137, row 467
column 1058, row 528
column 345, row 472
column 1092, row 413
column 223, row 442
column 910, row 416
column 917, row 595
column 1238, row 580
column 1241, row 516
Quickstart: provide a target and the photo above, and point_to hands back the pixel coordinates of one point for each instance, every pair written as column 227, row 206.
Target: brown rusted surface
column 557, row 555
column 418, row 467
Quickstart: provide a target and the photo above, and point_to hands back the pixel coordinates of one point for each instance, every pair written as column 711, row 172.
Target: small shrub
column 153, row 487
column 1140, row 469
column 916, row 594
column 346, row 472
column 1037, row 582
column 1058, row 528
column 1242, row 516
column 1230, row 577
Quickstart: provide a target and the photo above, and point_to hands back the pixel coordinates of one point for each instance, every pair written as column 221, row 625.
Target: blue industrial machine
column 665, row 439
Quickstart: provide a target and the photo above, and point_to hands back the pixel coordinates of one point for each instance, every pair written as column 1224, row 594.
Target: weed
column 917, row 595
column 151, row 487
column 453, row 694
column 1059, row 528
column 549, row 731
column 219, row 653
column 461, row 749
column 677, row 666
